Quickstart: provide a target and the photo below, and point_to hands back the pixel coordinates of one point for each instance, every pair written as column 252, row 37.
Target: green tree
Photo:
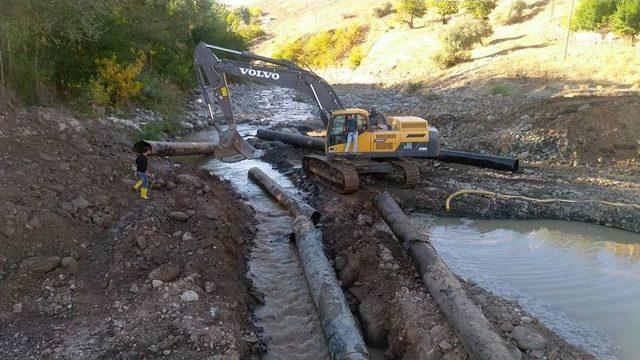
column 458, row 39
column 593, row 14
column 445, row 8
column 409, row 10
column 479, row 9
column 626, row 20
column 56, row 50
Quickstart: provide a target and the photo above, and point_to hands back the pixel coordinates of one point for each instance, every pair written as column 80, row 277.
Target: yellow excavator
column 384, row 143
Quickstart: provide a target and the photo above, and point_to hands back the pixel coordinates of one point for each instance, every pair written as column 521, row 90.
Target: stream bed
column 292, row 329
column 581, row 280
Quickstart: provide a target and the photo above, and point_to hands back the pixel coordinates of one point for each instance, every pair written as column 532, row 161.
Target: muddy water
column 581, row 280
column 291, row 325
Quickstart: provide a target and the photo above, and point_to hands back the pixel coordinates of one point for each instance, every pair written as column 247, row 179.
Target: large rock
column 188, row 179
column 189, row 295
column 166, row 273
column 528, row 339
column 70, row 263
column 40, row 263
column 80, row 203
column 178, row 215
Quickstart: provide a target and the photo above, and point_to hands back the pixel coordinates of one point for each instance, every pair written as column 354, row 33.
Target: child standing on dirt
column 142, row 172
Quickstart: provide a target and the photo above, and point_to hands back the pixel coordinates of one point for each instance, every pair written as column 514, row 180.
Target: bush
column 479, row 9
column 448, row 56
column 325, row 48
column 384, row 10
column 626, row 20
column 116, row 84
column 409, row 10
column 162, row 95
column 414, row 86
column 246, row 22
column 157, row 130
column 593, row 14
column 500, row 89
column 458, row 38
column 445, row 8
column 355, row 57
column 508, row 12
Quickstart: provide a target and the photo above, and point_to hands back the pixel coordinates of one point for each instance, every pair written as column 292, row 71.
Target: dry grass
column 532, row 48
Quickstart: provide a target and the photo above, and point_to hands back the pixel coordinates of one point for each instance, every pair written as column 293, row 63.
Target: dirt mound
column 77, row 246
column 599, row 129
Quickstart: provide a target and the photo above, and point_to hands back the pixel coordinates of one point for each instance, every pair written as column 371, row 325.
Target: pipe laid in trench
column 166, row 148
column 479, row 160
column 479, row 337
column 338, row 325
column 291, row 139
column 294, row 206
column 340, row 330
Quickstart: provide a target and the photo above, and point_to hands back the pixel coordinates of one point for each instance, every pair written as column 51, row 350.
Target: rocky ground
column 90, row 270
column 382, row 286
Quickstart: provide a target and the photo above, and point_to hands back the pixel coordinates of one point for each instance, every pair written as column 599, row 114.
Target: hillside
column 515, row 96
column 531, row 48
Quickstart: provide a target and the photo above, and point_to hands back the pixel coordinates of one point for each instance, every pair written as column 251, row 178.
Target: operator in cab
column 352, row 133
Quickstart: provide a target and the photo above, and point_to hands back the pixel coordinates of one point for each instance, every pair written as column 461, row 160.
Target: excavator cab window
column 337, row 129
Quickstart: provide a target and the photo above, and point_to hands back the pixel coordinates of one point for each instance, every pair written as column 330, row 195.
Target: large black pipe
column 481, row 340
column 294, row 206
column 338, row 325
column 450, row 156
column 479, row 160
column 176, row 148
column 291, row 139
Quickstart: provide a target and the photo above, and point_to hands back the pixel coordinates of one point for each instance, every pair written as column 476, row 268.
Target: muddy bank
column 88, row 269
column 386, row 294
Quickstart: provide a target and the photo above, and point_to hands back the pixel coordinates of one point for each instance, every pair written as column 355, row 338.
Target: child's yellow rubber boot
column 137, row 185
column 143, row 193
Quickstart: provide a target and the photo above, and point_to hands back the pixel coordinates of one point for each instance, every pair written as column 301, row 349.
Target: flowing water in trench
column 291, row 325
column 581, row 280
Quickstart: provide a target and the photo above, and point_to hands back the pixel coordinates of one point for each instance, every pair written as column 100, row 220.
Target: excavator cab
column 337, row 129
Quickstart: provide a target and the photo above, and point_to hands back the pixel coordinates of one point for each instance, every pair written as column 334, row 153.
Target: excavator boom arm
column 212, row 72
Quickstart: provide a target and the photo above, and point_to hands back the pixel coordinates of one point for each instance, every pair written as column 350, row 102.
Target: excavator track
column 408, row 170
column 339, row 176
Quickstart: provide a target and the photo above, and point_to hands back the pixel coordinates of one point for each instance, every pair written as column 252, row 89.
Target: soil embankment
column 90, row 270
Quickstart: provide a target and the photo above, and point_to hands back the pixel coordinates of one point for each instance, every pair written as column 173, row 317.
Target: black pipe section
column 294, row 206
column 450, row 156
column 479, row 337
column 338, row 325
column 479, row 160
column 291, row 139
column 166, row 148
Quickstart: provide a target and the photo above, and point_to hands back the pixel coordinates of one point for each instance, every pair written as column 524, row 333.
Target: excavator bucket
column 234, row 148
column 213, row 84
